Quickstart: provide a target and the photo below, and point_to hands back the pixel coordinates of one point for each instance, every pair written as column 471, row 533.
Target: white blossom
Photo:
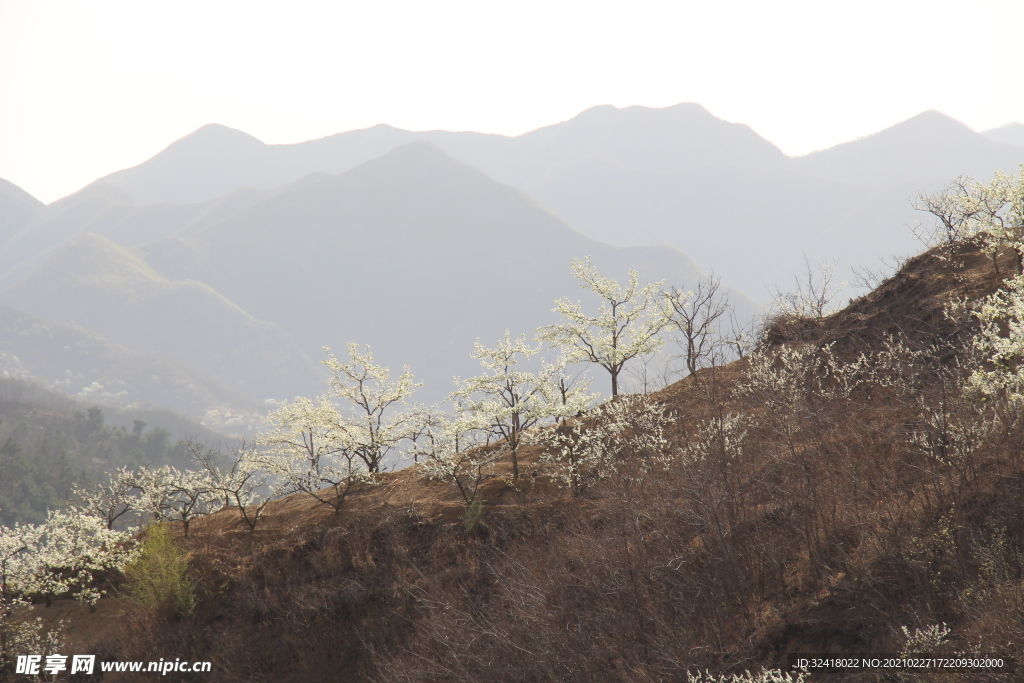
column 625, row 435
column 313, row 451
column 370, row 399
column 505, row 400
column 626, row 325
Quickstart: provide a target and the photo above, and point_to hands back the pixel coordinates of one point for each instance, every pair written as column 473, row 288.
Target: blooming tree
column 623, row 435
column 167, row 492
column 313, row 452
column 1001, row 342
column 241, row 482
column 966, row 209
column 111, row 502
column 324, row 450
column 372, row 427
column 506, row 400
column 454, row 450
column 61, row 556
column 625, row 326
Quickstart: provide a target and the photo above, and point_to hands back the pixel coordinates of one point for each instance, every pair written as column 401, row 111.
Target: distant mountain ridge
column 638, row 175
column 929, row 146
column 1010, row 134
column 237, row 261
column 17, row 209
column 100, row 286
column 216, row 159
column 88, row 367
column 413, row 252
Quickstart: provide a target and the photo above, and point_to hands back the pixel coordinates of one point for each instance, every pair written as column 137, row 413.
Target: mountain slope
column 414, row 253
column 1009, row 134
column 17, row 209
column 215, row 159
column 86, row 366
column 928, row 147
column 102, row 287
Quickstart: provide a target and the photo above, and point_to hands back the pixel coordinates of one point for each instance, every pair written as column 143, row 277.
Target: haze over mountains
column 716, row 190
column 235, row 261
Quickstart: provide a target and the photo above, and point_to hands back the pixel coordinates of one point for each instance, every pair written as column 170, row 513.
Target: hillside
column 414, row 253
column 788, row 517
column 1010, row 134
column 17, row 209
column 86, row 366
column 49, row 442
column 100, row 286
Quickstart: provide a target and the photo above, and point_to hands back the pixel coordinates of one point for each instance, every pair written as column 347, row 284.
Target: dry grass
column 826, row 542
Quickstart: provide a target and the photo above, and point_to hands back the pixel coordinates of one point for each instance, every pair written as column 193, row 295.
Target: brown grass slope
column 827, row 530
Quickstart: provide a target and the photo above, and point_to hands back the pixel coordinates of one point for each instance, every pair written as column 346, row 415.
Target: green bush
column 158, row 578
column 471, row 518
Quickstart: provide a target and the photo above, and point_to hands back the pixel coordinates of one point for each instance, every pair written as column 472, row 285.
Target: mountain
column 414, row 253
column 216, row 159
column 105, row 209
column 752, row 234
column 928, row 147
column 88, row 367
column 638, row 175
column 102, row 287
column 247, row 253
column 1009, row 134
column 17, row 209
column 634, row 138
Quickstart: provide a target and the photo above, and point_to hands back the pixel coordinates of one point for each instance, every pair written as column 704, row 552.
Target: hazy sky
column 91, row 86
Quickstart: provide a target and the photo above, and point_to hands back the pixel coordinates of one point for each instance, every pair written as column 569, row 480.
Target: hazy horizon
column 92, row 88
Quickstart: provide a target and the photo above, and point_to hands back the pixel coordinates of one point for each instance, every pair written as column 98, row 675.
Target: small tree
column 453, row 449
column 168, row 492
column 110, row 502
column 628, row 433
column 696, row 316
column 812, row 296
column 372, row 430
column 506, row 401
column 966, row 209
column 315, row 453
column 626, row 325
column 241, row 482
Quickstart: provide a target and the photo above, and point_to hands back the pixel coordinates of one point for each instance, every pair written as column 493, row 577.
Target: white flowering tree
column 1001, row 342
column 453, row 449
column 61, row 556
column 112, row 502
column 626, row 324
column 312, row 451
column 373, row 423
column 169, row 493
column 626, row 434
column 324, row 450
column 241, row 481
column 506, row 400
column 967, row 209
